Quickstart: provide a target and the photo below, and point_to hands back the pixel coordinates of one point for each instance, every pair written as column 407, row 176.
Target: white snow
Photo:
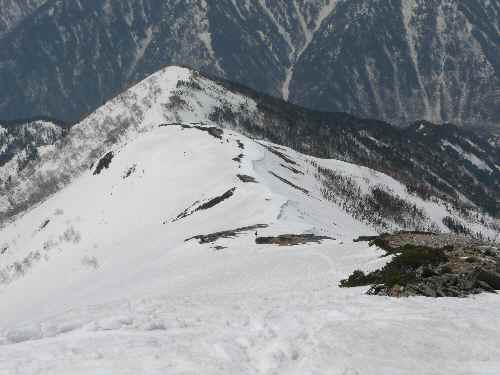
column 98, row 279
column 156, row 304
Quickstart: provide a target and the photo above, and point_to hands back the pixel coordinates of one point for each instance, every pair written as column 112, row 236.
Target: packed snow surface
column 116, row 289
column 101, row 278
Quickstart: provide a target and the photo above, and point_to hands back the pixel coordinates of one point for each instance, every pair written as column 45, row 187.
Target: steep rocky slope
column 397, row 60
column 403, row 60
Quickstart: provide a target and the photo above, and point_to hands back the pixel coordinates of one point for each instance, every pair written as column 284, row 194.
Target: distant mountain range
column 15, row 11
column 396, row 60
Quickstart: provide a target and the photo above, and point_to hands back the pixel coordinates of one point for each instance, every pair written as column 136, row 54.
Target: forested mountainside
column 396, row 60
column 442, row 160
column 24, row 141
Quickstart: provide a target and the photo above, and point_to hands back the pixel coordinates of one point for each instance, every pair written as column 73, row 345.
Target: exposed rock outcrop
column 432, row 265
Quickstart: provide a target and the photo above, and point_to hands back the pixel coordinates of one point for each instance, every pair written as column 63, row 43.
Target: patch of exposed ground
column 212, row 130
column 212, row 237
column 238, row 158
column 246, row 179
column 129, row 172
column 276, row 151
column 104, row 163
column 293, row 170
column 432, row 265
column 219, row 248
column 290, row 183
column 44, row 224
column 291, row 239
column 205, row 206
column 215, row 201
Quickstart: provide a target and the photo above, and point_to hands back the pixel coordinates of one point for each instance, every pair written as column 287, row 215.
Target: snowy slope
column 105, row 282
column 98, row 278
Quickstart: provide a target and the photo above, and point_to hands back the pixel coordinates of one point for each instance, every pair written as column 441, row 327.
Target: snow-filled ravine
column 99, row 278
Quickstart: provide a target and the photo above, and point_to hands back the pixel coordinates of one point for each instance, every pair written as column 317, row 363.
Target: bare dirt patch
column 291, row 239
column 246, row 179
column 104, row 163
column 205, row 206
column 212, row 130
column 305, row 191
column 293, row 170
column 212, row 237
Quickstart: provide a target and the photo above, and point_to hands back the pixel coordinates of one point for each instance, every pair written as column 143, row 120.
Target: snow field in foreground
column 118, row 290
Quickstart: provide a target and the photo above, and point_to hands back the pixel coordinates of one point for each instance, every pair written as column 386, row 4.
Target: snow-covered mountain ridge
column 414, row 157
column 135, row 249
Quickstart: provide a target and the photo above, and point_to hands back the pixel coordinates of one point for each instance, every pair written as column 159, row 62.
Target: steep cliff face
column 397, row 60
column 83, row 53
column 400, row 60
